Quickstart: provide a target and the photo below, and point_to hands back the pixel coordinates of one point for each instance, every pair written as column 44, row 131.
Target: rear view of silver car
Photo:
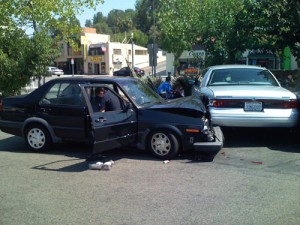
column 248, row 96
column 55, row 71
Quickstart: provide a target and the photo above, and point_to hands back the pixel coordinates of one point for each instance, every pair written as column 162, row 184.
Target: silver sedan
column 248, row 96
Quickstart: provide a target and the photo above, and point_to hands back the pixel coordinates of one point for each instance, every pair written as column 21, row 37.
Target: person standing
column 165, row 89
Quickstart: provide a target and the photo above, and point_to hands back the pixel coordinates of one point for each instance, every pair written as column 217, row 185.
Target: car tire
column 163, row 144
column 37, row 138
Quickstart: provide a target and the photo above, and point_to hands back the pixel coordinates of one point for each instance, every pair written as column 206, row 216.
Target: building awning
column 99, row 46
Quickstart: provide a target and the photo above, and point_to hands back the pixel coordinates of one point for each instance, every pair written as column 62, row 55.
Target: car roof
column 236, row 66
column 104, row 78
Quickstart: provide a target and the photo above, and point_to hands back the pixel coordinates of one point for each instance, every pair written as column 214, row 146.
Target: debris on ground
column 101, row 166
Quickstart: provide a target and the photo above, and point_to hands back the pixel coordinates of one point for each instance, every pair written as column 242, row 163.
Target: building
column 195, row 59
column 189, row 59
column 97, row 55
column 267, row 58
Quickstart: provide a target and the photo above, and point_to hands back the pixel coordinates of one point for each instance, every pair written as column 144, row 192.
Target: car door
column 111, row 129
column 63, row 107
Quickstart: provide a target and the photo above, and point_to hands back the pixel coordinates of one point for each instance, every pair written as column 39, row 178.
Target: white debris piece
column 96, row 166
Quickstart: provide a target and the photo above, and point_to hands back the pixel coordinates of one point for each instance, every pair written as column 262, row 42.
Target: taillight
column 226, row 103
column 267, row 103
column 1, row 107
column 289, row 104
column 217, row 103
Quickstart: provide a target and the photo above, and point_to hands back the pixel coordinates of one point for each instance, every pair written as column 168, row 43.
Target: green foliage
column 43, row 53
column 278, row 24
column 39, row 14
column 140, row 38
column 178, row 20
column 102, row 28
column 88, row 23
column 145, row 14
column 14, row 60
column 221, row 30
column 22, row 57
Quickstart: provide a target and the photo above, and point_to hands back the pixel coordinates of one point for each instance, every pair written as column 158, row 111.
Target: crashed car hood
column 191, row 103
column 247, row 91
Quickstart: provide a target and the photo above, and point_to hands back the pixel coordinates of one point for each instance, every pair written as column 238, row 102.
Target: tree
column 41, row 16
column 99, row 18
column 14, row 60
column 278, row 24
column 120, row 21
column 140, row 38
column 178, row 21
column 102, row 28
column 88, row 23
column 145, row 12
column 44, row 51
column 222, row 25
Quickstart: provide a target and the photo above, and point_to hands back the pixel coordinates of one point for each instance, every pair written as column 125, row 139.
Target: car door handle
column 101, row 120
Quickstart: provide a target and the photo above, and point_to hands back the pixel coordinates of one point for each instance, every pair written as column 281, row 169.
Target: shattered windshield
column 139, row 92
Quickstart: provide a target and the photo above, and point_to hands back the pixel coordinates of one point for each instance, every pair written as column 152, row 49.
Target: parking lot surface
column 255, row 179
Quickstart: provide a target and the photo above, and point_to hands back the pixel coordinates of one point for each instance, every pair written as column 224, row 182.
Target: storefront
column 96, row 59
column 262, row 57
column 189, row 61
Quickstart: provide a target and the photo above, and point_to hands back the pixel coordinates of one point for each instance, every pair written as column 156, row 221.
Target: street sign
column 83, row 40
column 72, row 61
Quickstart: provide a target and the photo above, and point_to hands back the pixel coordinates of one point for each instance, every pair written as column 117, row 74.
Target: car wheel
column 163, row 144
column 37, row 138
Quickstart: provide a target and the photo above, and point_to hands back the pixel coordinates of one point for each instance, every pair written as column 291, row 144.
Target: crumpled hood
column 251, row 91
column 189, row 103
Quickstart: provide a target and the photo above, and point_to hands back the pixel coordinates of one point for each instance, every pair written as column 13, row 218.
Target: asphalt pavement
column 254, row 180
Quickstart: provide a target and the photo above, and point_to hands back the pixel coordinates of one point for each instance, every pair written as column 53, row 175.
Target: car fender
column 142, row 142
column 43, row 122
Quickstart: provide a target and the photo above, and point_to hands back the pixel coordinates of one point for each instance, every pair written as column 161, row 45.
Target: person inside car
column 104, row 101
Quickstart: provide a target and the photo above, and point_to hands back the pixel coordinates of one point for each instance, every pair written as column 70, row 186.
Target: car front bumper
column 211, row 147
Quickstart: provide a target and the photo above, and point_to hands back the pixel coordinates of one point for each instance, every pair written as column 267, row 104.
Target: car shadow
column 277, row 139
column 80, row 155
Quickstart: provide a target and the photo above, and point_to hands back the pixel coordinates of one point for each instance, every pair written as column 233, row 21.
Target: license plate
column 253, row 106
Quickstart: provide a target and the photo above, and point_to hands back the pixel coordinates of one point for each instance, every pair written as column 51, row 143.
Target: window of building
column 117, row 51
column 141, row 52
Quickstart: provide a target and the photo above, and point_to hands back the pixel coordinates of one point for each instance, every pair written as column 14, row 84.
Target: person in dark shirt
column 105, row 102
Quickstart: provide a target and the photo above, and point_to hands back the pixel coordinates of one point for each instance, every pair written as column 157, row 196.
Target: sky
column 105, row 8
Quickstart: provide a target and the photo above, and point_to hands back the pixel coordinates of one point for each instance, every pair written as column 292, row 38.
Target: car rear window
column 240, row 76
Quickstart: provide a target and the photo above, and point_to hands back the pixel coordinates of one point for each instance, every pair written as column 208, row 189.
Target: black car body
column 62, row 110
column 126, row 71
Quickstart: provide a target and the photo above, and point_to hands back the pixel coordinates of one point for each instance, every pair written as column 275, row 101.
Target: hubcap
column 161, row 144
column 36, row 138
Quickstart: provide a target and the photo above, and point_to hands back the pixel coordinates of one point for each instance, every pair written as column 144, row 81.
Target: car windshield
column 241, row 76
column 139, row 92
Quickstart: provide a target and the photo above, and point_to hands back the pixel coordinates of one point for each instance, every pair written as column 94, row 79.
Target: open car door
column 110, row 129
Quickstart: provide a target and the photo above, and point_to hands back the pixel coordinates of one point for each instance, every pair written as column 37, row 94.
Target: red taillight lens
column 226, row 103
column 267, row 103
column 217, row 103
column 289, row 104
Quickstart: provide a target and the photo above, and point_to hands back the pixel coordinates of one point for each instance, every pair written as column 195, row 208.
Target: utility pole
column 153, row 46
column 132, row 51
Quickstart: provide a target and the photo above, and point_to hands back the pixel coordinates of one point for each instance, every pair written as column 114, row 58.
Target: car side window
column 107, row 101
column 65, row 94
